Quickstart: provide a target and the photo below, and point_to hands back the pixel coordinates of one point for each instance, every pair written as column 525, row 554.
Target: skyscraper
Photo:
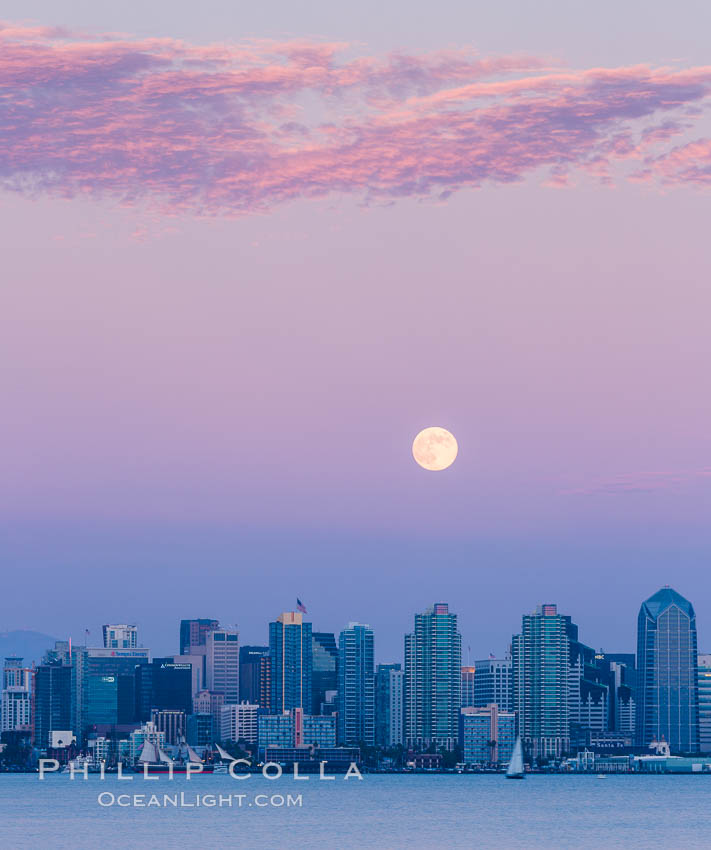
column 468, row 674
column 163, row 684
column 252, row 670
column 356, row 685
column 121, row 636
column 52, row 698
column 324, row 673
column 290, row 651
column 433, row 683
column 705, row 703
column 389, row 721
column 222, row 663
column 193, row 634
column 620, row 675
column 493, row 683
column 667, row 672
column 16, row 697
column 541, row 664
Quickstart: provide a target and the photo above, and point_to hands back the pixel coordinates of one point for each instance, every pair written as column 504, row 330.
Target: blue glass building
column 356, row 685
column 667, row 672
column 290, row 652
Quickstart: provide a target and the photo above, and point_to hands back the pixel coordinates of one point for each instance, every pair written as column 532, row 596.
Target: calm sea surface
column 380, row 812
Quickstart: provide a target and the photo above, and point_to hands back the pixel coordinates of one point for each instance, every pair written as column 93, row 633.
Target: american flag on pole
column 300, row 606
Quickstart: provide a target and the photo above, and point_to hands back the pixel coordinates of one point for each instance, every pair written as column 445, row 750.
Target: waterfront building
column 200, row 730
column 704, row 689
column 290, row 652
column 238, row 722
column 296, row 729
column 138, row 737
column 488, row 735
column 193, row 635
column 121, row 636
column 275, row 730
column 52, row 701
column 356, row 685
column 433, row 683
column 222, row 663
column 541, row 664
column 324, row 668
column 468, row 674
column 493, row 682
column 16, row 696
column 667, row 672
column 389, row 705
column 253, row 668
column 171, row 723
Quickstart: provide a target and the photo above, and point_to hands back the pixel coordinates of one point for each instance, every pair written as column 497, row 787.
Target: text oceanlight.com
column 183, row 800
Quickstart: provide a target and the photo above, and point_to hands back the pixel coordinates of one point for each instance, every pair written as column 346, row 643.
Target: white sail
column 515, row 768
column 164, row 758
column 193, row 756
column 223, row 754
column 148, row 753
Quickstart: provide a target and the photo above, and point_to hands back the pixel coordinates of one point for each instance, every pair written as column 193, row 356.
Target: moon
column 435, row 448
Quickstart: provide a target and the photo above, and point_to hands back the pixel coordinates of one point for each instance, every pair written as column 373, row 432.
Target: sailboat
column 515, row 768
column 159, row 762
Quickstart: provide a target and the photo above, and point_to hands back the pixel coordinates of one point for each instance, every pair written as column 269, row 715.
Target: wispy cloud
column 640, row 482
column 228, row 129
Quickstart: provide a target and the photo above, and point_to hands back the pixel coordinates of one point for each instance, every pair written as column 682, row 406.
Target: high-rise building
column 324, row 670
column 163, row 684
column 52, row 700
column 433, row 680
column 122, row 636
column 620, row 675
column 208, row 702
column 667, row 672
column 290, row 651
column 238, row 722
column 16, row 697
column 389, row 721
column 541, row 666
column 252, row 670
column 587, row 692
column 487, row 735
column 704, row 689
column 193, row 634
column 493, row 683
column 468, row 674
column 356, row 685
column 222, row 663
column 88, row 662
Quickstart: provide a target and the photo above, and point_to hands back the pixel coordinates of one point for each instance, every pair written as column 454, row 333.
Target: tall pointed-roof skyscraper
column 667, row 690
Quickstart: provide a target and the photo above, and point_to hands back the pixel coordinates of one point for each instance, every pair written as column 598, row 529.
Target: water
column 390, row 812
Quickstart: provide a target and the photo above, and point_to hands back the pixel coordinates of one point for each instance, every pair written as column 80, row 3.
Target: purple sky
column 245, row 263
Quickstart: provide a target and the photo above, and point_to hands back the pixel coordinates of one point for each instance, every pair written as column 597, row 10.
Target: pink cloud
column 228, row 129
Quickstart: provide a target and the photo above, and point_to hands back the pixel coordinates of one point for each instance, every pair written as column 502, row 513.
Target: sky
column 246, row 258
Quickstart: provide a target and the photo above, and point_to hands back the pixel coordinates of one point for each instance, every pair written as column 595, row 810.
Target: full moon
column 434, row 448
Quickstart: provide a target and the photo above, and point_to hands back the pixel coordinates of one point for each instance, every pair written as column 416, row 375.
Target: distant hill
column 30, row 645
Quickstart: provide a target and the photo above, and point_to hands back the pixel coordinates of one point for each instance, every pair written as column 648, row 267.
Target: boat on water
column 153, row 760
column 515, row 769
